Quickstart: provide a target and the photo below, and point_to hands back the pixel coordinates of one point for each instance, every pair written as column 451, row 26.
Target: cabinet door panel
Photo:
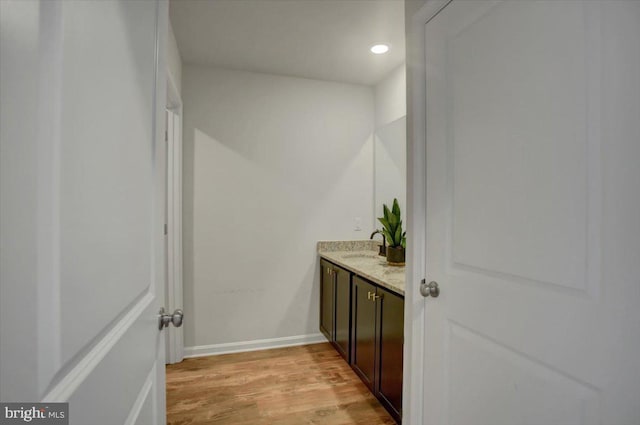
column 342, row 310
column 326, row 300
column 364, row 331
column 391, row 325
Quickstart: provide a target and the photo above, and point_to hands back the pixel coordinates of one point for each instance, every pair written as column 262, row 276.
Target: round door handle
column 177, row 317
column 164, row 319
column 430, row 289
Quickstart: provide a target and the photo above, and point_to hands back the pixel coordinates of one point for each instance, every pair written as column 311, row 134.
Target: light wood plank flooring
column 309, row 384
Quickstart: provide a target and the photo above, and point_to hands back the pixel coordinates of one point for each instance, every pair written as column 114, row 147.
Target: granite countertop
column 361, row 257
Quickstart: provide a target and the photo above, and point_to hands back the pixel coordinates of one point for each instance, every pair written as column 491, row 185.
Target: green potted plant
column 392, row 231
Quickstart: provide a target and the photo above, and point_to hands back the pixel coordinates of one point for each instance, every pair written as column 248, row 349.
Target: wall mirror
column 390, row 166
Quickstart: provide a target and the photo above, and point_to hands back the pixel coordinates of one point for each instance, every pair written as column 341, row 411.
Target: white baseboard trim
column 255, row 345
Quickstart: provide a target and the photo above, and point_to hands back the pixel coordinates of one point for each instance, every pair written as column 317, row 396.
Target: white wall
column 272, row 164
column 174, row 62
column 390, row 141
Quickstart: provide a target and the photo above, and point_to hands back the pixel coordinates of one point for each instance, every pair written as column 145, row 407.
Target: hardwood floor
column 309, row 384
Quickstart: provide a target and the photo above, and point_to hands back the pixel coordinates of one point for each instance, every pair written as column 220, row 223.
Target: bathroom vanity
column 362, row 315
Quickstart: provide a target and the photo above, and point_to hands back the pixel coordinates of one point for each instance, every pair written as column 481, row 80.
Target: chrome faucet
column 383, row 247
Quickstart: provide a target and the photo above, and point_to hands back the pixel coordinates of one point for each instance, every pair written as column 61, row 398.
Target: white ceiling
column 320, row 39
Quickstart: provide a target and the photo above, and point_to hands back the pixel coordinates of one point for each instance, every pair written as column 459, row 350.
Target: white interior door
column 82, row 197
column 532, row 213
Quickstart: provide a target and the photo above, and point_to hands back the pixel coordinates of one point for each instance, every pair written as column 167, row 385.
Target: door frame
column 173, row 284
column 416, row 211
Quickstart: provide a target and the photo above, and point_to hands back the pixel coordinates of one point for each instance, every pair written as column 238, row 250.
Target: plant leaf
column 384, row 222
column 394, row 219
column 387, row 235
column 396, row 207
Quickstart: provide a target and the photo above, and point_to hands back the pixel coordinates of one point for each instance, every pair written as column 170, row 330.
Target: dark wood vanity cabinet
column 365, row 324
column 363, row 348
column 327, row 303
column 377, row 342
column 390, row 347
column 335, row 301
column 342, row 339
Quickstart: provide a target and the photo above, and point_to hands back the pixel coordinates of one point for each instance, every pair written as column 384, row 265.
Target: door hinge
column 166, row 229
column 166, row 136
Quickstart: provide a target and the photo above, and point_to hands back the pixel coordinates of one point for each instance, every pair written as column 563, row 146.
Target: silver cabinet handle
column 430, row 289
column 164, row 319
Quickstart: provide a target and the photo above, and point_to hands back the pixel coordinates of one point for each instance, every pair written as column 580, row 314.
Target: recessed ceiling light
column 379, row 49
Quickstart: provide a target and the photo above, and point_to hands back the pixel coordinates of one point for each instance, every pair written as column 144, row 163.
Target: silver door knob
column 430, row 289
column 164, row 319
